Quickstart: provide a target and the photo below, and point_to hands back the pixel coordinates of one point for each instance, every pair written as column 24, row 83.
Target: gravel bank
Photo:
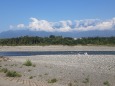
column 78, row 70
column 57, row 48
column 81, row 70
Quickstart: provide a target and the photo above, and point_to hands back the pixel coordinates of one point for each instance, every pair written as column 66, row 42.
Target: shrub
column 106, row 83
column 13, row 74
column 4, row 70
column 28, row 63
column 31, row 77
column 52, row 80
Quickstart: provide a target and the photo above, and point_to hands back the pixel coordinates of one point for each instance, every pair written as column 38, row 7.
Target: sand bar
column 57, row 48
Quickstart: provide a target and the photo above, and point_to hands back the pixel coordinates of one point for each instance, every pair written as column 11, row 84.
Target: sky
column 57, row 15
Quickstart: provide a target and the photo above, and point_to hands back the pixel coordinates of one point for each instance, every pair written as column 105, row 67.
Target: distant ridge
column 18, row 33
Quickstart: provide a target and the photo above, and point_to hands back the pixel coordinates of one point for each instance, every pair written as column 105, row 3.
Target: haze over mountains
column 18, row 33
column 66, row 28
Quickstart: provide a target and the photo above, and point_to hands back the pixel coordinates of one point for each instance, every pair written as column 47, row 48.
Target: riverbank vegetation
column 57, row 40
column 10, row 73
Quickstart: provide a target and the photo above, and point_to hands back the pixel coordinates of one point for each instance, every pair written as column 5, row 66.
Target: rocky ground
column 59, row 70
column 65, row 70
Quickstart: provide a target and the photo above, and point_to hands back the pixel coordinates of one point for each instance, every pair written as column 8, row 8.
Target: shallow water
column 30, row 53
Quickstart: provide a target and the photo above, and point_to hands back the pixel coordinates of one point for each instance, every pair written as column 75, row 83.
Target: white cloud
column 68, row 25
column 106, row 25
column 17, row 27
column 20, row 26
column 40, row 25
column 97, row 24
column 65, row 26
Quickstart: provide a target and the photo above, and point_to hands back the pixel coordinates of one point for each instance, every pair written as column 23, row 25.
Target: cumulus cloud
column 63, row 26
column 20, row 26
column 68, row 25
column 106, row 25
column 40, row 25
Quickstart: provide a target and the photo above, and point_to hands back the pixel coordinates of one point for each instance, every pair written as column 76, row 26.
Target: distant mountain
column 18, row 33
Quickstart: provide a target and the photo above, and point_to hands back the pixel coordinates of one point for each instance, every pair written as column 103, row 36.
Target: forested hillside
column 57, row 40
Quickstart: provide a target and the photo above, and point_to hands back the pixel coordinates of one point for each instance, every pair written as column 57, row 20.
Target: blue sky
column 65, row 15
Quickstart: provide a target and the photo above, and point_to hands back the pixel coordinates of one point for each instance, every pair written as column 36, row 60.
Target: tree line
column 57, row 40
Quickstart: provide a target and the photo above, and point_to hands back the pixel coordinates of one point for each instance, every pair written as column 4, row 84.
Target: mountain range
column 18, row 33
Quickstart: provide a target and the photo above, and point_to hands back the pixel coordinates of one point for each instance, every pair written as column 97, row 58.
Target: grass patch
column 28, row 63
column 31, row 77
column 10, row 73
column 52, row 80
column 13, row 74
column 5, row 70
column 106, row 83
